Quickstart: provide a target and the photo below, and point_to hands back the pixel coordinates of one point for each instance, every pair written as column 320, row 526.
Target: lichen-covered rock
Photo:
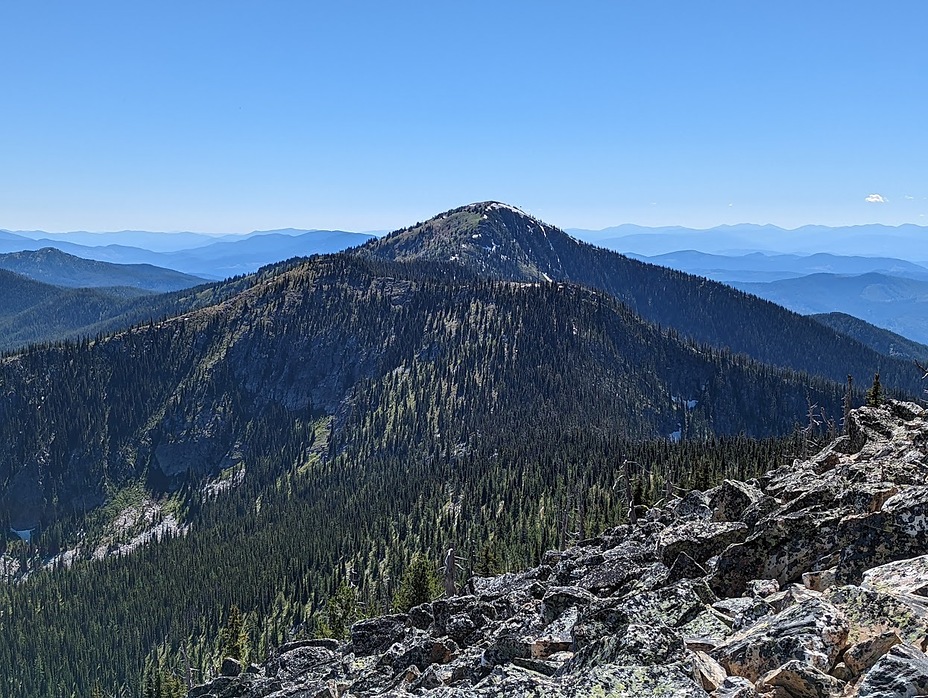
column 871, row 540
column 214, row 688
column 863, row 655
column 638, row 644
column 735, row 687
column 621, row 566
column 762, row 587
column 429, row 679
column 672, row 605
column 299, row 660
column 544, row 666
column 745, row 611
column 793, row 594
column 699, row 539
column 801, row 681
column 908, row 576
column 707, row 672
column 510, row 680
column 707, row 630
column 377, row 634
column 693, row 506
column 602, row 617
column 867, row 497
column 558, row 599
column 873, row 612
column 421, row 616
column 903, row 671
column 634, row 682
column 460, row 616
column 503, row 585
column 780, row 548
column 558, row 635
column 819, row 580
column 729, row 500
column 685, row 567
column 420, row 650
column 813, row 632
column 230, row 667
column 505, row 648
column 759, row 510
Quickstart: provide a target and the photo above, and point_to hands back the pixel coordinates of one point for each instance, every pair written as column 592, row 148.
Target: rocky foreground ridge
column 810, row 581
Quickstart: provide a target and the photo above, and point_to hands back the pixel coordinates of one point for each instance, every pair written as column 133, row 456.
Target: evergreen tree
column 420, row 584
column 875, row 393
column 232, row 636
column 487, row 563
column 341, row 611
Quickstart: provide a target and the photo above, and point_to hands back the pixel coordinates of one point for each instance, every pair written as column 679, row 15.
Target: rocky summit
column 809, row 582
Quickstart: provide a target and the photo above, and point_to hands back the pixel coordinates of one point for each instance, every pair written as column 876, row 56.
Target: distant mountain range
column 760, row 267
column 53, row 266
column 307, row 335
column 210, row 257
column 890, row 292
column 910, row 242
column 89, row 298
column 740, row 255
column 897, row 304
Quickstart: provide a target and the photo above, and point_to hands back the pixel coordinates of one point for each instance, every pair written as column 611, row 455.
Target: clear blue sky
column 232, row 116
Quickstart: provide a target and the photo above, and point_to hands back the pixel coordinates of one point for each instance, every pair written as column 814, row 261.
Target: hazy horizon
column 384, row 231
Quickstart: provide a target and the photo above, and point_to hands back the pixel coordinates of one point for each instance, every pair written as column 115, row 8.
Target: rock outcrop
column 809, row 582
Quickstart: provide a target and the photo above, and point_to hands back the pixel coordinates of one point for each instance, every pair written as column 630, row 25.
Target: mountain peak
column 490, row 237
column 488, row 206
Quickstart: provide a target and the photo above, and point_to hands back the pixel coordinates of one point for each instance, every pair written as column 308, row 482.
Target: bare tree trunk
column 450, row 571
column 847, row 402
column 629, row 495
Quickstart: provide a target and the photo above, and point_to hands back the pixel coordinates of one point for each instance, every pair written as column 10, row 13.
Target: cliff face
column 810, row 581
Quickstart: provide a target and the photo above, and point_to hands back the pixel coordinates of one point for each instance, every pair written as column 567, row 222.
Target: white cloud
column 910, row 198
column 875, row 199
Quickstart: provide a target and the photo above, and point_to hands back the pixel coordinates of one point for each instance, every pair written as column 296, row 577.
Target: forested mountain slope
column 881, row 340
column 497, row 240
column 52, row 266
column 896, row 303
column 370, row 344
column 32, row 312
column 358, row 411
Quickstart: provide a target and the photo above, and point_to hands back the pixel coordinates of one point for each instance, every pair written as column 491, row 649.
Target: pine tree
column 341, row 611
column 487, row 561
column 230, row 639
column 875, row 394
column 420, row 584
